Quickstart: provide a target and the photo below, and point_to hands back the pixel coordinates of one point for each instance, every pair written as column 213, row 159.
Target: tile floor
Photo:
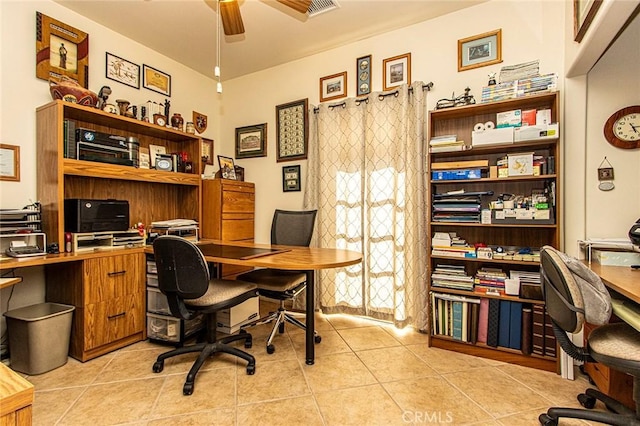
column 366, row 373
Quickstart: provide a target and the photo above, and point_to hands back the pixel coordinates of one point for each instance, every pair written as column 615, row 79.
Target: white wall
column 530, row 30
column 21, row 93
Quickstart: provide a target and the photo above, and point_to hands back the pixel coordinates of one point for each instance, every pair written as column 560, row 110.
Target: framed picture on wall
column 122, row 71
column 292, row 132
column 10, row 162
column 480, row 50
column 333, row 86
column 396, row 71
column 583, row 13
column 251, row 141
column 363, row 75
column 156, row 80
column 291, row 178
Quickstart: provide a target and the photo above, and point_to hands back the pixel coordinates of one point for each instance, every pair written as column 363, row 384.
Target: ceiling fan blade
column 299, row 5
column 231, row 18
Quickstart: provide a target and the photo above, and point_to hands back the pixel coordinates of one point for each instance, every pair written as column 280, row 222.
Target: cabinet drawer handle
column 113, row 274
column 121, row 314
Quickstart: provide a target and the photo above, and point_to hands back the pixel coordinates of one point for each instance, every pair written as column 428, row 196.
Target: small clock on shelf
column 160, row 120
column 622, row 129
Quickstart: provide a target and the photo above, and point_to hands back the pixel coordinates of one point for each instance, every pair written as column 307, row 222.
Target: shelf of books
column 493, row 206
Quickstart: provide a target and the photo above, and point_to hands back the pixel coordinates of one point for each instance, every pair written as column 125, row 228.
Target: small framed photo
column 156, row 80
column 10, row 162
column 227, row 167
column 154, row 150
column 207, row 151
column 396, row 71
column 333, row 86
column 122, row 71
column 251, row 141
column 61, row 50
column 292, row 132
column 363, row 73
column 480, row 50
column 291, row 178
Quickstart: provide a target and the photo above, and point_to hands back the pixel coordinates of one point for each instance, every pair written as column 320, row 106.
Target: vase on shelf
column 177, row 121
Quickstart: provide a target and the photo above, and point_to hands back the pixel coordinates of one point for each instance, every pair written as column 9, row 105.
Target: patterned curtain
column 366, row 178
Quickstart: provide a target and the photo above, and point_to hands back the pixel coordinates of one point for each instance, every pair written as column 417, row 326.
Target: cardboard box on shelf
column 492, row 136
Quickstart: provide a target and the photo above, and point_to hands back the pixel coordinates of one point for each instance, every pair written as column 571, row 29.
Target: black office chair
column 573, row 294
column 183, row 276
column 291, row 228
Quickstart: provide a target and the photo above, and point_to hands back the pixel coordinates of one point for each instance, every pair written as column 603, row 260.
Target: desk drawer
column 236, row 230
column 235, row 201
column 108, row 321
column 109, row 277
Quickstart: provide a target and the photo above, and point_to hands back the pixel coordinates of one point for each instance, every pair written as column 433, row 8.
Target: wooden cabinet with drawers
column 108, row 292
column 228, row 213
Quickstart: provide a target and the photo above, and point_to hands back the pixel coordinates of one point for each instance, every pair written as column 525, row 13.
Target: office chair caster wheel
column 248, row 343
column 545, row 420
column 271, row 349
column 187, row 389
column 586, row 401
column 317, row 339
column 251, row 370
column 158, row 366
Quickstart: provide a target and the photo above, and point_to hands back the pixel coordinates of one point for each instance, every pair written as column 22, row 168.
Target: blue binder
column 515, row 332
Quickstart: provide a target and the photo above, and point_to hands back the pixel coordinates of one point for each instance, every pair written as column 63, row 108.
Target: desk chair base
column 280, row 317
column 619, row 414
column 206, row 350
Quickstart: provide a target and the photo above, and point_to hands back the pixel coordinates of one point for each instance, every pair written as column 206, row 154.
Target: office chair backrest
column 182, row 272
column 573, row 293
column 293, row 228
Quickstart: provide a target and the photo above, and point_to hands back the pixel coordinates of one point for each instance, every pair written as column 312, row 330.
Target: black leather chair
column 290, row 228
column 183, row 276
column 569, row 301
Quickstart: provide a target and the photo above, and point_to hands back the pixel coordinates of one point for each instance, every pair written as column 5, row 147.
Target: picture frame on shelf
column 122, row 71
column 584, row 11
column 251, row 141
column 10, row 162
column 363, row 75
column 156, row 80
column 480, row 50
column 292, row 130
column 61, row 50
column 291, row 178
column 207, row 151
column 396, row 71
column 333, row 86
column 227, row 167
column 154, row 150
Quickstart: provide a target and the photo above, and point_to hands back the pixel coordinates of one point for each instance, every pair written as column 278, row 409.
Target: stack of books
column 446, row 143
column 185, row 228
column 460, row 208
column 499, row 92
column 520, row 71
column 455, row 316
column 541, row 83
column 451, row 276
column 490, row 280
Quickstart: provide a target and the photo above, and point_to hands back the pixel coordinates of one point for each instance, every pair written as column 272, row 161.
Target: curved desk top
column 622, row 279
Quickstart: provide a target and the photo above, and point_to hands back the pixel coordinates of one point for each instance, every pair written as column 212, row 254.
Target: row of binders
column 494, row 322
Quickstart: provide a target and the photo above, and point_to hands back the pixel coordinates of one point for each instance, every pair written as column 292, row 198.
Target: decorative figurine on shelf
column 461, row 100
column 167, row 106
column 103, row 95
column 177, row 121
column 492, row 79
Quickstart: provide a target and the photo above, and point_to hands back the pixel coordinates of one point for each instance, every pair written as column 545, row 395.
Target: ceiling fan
column 232, row 19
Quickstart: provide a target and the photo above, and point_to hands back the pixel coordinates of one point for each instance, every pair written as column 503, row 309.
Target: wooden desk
column 622, row 279
column 306, row 259
column 16, row 398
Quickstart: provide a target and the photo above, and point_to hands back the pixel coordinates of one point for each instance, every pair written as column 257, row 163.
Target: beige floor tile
column 132, row 364
column 530, row 417
column 340, row 321
column 114, row 403
column 321, row 324
column 550, row 385
column 368, row 405
column 272, row 380
column 395, row 363
column 283, row 349
column 495, row 391
column 360, row 339
column 332, row 343
column 434, row 400
column 293, row 411
column 49, row 406
column 444, row 361
column 221, row 417
column 407, row 336
column 213, row 389
column 337, row 371
column 73, row 373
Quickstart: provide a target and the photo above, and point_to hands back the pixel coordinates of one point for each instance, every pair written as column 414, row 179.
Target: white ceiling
column 185, row 30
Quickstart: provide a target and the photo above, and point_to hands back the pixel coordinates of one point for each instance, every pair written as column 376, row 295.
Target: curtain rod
column 427, row 87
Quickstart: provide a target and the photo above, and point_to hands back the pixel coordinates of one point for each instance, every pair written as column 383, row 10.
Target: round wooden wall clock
column 622, row 129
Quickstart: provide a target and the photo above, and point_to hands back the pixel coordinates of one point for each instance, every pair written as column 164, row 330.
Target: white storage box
column 151, row 267
column 152, row 280
column 157, row 302
column 615, row 258
column 492, row 136
column 540, row 131
column 170, row 329
column 230, row 320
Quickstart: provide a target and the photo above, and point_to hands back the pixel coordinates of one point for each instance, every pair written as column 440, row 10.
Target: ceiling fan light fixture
column 301, row 6
column 231, row 18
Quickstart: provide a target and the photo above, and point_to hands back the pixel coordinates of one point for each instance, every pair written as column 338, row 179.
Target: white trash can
column 39, row 337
